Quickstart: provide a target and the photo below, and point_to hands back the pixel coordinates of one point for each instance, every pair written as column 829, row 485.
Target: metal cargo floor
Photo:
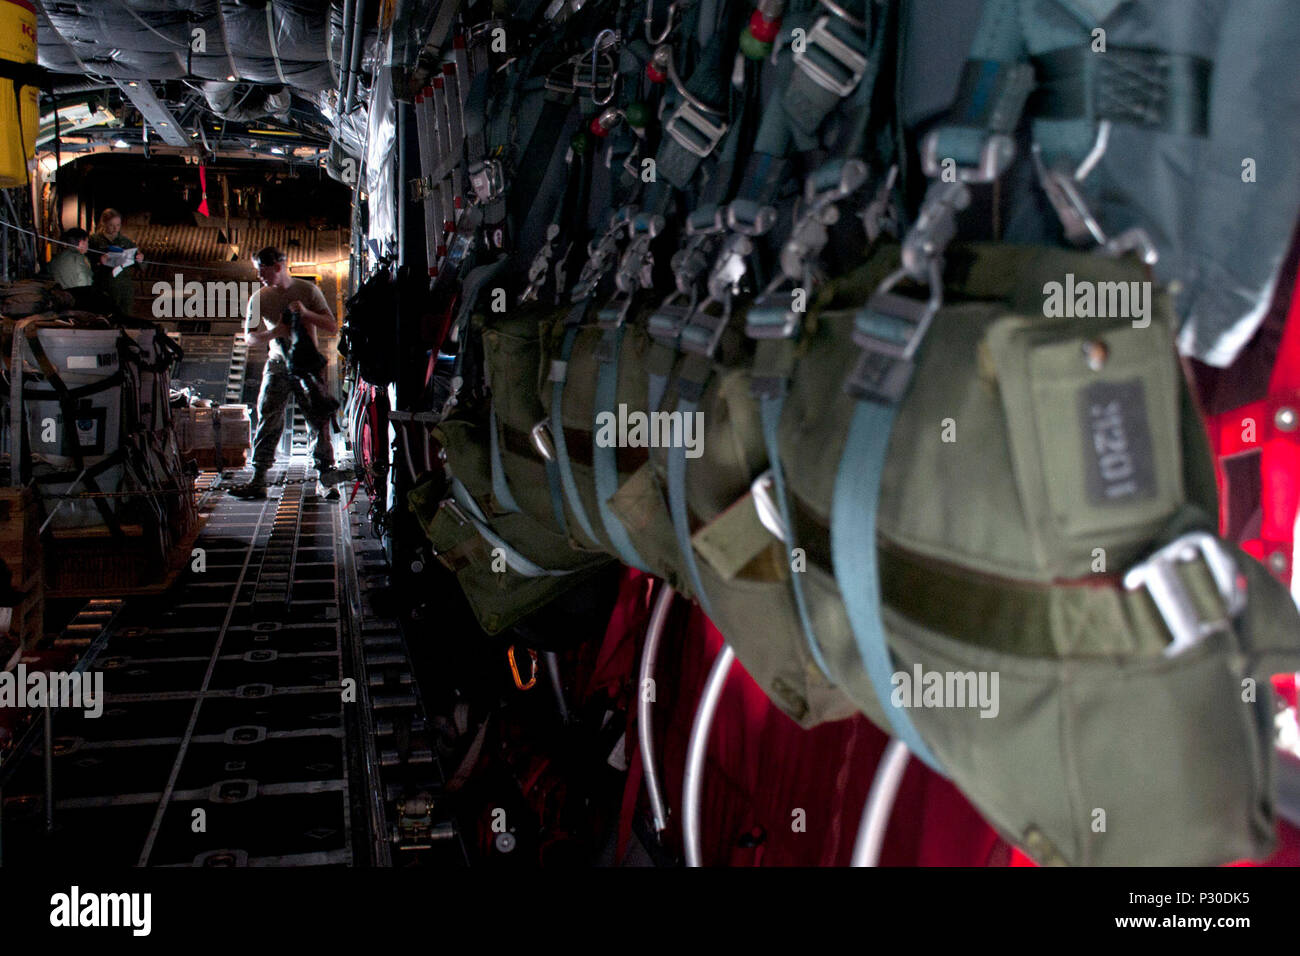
column 225, row 738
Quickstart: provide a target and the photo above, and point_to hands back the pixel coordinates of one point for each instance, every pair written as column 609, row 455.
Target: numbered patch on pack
column 1119, row 458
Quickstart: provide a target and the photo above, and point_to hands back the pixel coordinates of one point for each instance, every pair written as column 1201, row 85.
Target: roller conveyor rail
column 259, row 713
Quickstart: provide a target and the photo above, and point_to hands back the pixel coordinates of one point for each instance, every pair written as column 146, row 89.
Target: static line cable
column 696, row 750
column 644, row 726
column 880, row 803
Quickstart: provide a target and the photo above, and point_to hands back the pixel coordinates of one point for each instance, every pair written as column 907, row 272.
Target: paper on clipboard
column 119, row 259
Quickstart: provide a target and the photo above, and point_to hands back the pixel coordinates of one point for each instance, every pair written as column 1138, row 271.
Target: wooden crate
column 89, row 562
column 197, row 438
column 207, row 457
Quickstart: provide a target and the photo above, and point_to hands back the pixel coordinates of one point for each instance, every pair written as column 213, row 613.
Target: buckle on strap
column 665, row 323
column 601, row 253
column 636, row 265
column 829, row 61
column 996, row 154
column 745, row 220
column 488, row 179
column 1159, row 575
column 703, row 330
column 773, row 314
column 824, row 188
column 694, row 131
column 889, row 329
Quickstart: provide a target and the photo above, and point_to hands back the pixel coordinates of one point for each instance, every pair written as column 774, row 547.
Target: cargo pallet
column 20, row 549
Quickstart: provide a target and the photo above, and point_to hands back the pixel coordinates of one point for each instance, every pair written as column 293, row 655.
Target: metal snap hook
column 541, row 439
column 595, row 52
column 675, row 79
column 651, row 37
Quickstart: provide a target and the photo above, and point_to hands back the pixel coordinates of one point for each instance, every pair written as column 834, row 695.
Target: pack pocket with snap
column 1093, row 415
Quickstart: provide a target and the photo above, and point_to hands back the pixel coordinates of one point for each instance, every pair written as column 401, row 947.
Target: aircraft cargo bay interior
column 508, row 435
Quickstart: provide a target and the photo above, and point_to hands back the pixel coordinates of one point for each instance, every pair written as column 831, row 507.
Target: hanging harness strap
column 699, row 122
column 690, row 388
column 603, row 457
column 514, row 560
column 853, row 547
column 773, row 322
column 889, row 329
column 558, row 376
column 500, row 486
column 829, row 68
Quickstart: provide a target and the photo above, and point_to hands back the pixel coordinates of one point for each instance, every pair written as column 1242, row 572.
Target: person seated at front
column 70, row 268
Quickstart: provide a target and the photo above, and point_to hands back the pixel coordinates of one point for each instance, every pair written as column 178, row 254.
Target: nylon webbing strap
column 770, row 411
column 993, row 87
column 118, row 457
column 442, row 23
column 425, row 123
column 536, row 158
column 514, row 560
column 677, row 507
column 658, row 385
column 500, row 486
column 460, row 60
column 691, row 134
column 829, row 68
column 1148, row 88
column 853, row 551
column 476, row 100
column 449, row 150
column 557, row 377
column 455, row 127
column 557, row 496
column 988, row 96
column 603, row 459
column 270, row 39
column 990, row 100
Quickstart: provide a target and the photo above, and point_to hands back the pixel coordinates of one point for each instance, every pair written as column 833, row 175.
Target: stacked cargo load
column 89, row 430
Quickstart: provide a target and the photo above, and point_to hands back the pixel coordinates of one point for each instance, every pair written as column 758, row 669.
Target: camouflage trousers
column 277, row 386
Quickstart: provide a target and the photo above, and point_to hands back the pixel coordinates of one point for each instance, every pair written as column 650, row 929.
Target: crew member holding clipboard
column 114, row 256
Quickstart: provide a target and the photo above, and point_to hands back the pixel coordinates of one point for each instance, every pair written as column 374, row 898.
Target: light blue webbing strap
column 557, row 496
column 604, row 459
column 853, row 553
column 500, row 487
column 770, row 409
column 677, row 506
column 558, row 376
column 514, row 560
column 658, row 384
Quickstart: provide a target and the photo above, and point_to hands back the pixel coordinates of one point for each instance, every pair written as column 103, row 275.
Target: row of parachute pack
column 859, row 323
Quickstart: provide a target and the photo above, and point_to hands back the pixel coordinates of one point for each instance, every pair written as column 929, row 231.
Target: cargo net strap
column 168, row 354
column 68, row 404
